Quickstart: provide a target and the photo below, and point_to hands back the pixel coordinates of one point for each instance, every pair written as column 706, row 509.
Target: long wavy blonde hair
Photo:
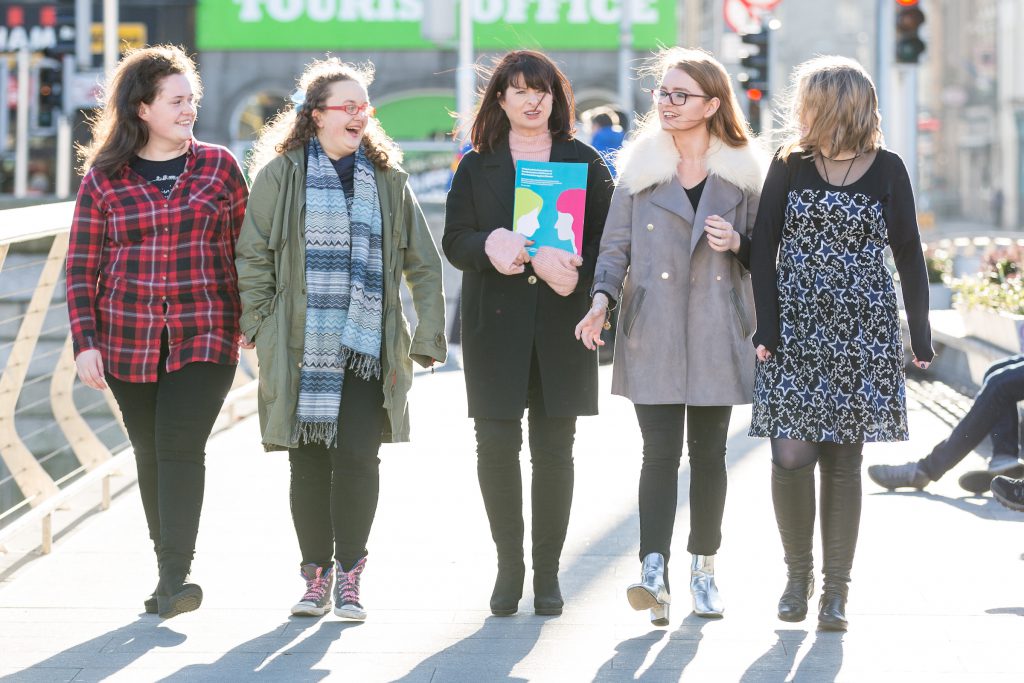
column 294, row 127
column 832, row 107
column 728, row 123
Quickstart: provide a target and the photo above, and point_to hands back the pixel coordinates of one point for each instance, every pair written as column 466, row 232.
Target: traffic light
column 754, row 77
column 51, row 93
column 754, row 60
column 909, row 18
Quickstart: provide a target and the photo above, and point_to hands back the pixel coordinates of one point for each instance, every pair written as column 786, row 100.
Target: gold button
column 664, row 276
column 532, row 279
column 650, row 226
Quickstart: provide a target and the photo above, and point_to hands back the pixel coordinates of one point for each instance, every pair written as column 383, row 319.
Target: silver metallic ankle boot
column 706, row 600
column 651, row 593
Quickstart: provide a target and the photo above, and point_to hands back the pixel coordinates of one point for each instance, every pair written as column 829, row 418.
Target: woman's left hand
column 244, row 342
column 721, row 236
column 921, row 364
column 589, row 329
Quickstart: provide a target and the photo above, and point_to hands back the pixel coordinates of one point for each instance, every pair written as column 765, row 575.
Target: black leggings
column 707, row 429
column 168, row 423
column 791, row 454
column 334, row 489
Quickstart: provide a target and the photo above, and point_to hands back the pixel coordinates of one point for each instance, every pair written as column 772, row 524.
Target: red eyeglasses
column 351, row 109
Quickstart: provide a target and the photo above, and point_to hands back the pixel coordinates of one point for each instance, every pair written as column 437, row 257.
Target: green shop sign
column 395, row 24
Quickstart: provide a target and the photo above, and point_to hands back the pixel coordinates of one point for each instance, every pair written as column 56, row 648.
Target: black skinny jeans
column 334, row 489
column 168, row 423
column 707, row 430
column 498, row 443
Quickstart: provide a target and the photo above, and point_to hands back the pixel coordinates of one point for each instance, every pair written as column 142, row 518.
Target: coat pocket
column 635, row 304
column 741, row 315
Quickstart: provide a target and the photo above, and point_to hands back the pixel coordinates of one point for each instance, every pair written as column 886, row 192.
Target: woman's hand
column 90, row 369
column 507, row 251
column 244, row 342
column 589, row 329
column 721, row 236
column 763, row 354
column 557, row 267
column 921, row 364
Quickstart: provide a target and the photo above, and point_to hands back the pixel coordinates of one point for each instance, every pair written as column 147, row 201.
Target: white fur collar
column 651, row 160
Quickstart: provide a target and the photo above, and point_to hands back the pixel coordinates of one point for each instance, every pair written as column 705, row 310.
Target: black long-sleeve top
column 885, row 184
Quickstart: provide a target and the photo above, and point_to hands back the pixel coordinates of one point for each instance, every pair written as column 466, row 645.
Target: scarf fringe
column 317, row 432
column 364, row 365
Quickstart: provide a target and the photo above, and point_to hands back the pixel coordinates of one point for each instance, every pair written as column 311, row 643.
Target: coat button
column 532, row 279
column 718, row 277
column 650, row 226
column 664, row 276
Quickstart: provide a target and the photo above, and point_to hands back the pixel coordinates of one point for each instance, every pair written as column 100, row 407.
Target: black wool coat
column 505, row 318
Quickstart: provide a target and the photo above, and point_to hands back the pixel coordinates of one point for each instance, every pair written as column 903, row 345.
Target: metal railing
column 50, row 467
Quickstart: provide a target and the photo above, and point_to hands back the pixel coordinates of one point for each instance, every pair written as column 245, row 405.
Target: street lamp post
column 625, row 57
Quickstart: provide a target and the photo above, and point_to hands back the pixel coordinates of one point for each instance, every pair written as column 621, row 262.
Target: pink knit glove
column 506, row 250
column 557, row 267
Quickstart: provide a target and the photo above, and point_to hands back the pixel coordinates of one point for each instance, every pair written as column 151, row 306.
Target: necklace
column 849, row 168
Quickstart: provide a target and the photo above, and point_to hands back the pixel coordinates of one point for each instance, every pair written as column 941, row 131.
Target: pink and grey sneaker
column 346, row 592
column 317, row 600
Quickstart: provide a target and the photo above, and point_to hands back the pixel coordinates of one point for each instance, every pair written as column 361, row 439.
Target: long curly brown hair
column 117, row 131
column 295, row 127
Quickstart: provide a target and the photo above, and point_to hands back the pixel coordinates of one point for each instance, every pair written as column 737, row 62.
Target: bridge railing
column 58, row 438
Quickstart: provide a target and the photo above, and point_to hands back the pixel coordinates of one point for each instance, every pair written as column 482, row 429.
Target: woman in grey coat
column 675, row 252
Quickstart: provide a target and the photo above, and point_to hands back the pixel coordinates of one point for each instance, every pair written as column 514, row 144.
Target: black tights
column 790, row 454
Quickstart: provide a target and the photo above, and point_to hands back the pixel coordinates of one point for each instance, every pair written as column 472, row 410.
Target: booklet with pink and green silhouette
column 551, row 198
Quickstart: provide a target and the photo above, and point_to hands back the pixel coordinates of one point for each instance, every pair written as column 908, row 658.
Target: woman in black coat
column 518, row 317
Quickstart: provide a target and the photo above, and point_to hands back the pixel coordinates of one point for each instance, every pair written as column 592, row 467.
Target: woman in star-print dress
column 830, row 376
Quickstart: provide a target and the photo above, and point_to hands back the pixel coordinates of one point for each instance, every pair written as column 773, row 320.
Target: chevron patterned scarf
column 344, row 291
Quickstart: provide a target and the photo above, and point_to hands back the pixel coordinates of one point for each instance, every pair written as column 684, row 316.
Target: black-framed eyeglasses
column 675, row 97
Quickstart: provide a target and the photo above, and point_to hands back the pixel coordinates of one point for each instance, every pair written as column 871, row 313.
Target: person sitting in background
column 994, row 413
column 1009, row 492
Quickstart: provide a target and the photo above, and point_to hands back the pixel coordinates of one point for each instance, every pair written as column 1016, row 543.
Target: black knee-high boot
column 502, row 491
column 551, row 502
column 793, row 498
column 840, row 524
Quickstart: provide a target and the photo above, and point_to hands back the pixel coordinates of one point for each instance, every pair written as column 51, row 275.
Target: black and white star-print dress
column 826, row 305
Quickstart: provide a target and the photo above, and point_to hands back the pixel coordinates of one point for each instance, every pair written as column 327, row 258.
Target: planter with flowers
column 992, row 304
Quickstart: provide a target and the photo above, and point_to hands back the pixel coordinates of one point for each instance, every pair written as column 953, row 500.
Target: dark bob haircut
column 533, row 70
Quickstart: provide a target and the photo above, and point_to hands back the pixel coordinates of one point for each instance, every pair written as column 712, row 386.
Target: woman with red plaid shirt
column 153, row 293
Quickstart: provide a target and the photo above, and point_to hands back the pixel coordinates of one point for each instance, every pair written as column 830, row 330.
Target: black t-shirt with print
column 163, row 174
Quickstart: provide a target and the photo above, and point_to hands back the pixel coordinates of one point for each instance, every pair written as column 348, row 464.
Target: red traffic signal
column 909, row 45
column 755, row 94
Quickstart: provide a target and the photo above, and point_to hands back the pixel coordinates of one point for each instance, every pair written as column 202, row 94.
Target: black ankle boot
column 547, row 596
column 150, row 603
column 175, row 593
column 508, row 589
column 793, row 498
column 793, row 603
column 832, row 610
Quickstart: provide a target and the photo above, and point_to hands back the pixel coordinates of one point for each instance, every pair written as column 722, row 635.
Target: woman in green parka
column 331, row 227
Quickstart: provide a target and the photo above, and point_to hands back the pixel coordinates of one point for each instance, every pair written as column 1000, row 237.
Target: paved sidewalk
column 938, row 591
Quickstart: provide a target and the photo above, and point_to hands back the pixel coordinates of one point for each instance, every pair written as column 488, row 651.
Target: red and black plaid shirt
column 139, row 264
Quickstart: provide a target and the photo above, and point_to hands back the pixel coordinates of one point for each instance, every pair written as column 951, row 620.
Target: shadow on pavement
column 984, row 510
column 1019, row 611
column 774, row 666
column 630, row 659
column 292, row 659
column 823, row 661
column 517, row 645
column 119, row 648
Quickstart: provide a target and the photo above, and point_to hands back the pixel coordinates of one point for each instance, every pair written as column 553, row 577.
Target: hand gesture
column 763, row 354
column 557, row 267
column 589, row 329
column 721, row 236
column 90, row 369
column 507, row 251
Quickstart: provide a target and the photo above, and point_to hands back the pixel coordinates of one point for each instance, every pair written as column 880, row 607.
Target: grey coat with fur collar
column 686, row 311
